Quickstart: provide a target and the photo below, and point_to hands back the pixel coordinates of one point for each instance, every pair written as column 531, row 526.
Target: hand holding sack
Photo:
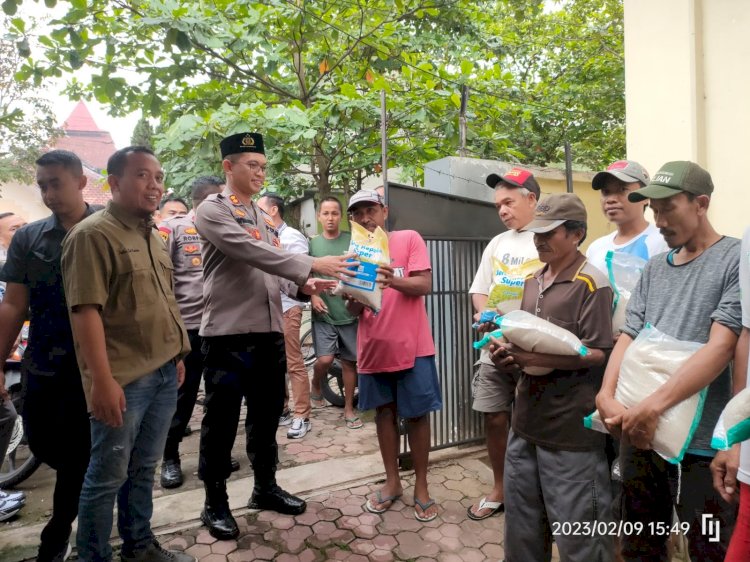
column 624, row 271
column 648, row 363
column 734, row 423
column 534, row 334
column 371, row 249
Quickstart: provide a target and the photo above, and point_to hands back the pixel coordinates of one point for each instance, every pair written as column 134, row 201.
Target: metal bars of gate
column 454, row 264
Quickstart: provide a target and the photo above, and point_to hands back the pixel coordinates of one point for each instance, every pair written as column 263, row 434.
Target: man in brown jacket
column 243, row 331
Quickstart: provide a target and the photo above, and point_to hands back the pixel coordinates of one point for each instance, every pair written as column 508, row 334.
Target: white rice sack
column 485, row 341
column 594, row 421
column 648, row 363
column 734, row 423
column 535, row 334
column 498, row 335
column 532, row 333
column 372, row 251
column 624, row 271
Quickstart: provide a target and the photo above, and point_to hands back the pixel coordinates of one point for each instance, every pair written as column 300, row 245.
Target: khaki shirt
column 549, row 409
column 184, row 247
column 241, row 259
column 118, row 261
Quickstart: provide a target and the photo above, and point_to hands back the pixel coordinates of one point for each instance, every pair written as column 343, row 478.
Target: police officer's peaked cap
column 242, row 142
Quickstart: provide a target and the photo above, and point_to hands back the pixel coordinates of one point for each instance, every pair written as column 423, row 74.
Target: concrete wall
column 23, row 200
column 687, row 78
column 466, row 177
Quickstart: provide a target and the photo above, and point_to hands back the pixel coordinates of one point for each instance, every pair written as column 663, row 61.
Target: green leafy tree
column 27, row 124
column 143, row 133
column 308, row 74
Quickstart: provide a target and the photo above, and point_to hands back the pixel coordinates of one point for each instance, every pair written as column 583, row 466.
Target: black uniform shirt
column 34, row 260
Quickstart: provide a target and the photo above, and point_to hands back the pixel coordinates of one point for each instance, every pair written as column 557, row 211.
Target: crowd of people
column 128, row 317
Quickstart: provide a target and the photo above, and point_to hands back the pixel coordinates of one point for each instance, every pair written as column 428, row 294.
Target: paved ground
column 328, row 439
column 336, row 527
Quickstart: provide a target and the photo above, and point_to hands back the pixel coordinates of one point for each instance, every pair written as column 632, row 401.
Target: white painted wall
column 687, row 84
column 23, row 200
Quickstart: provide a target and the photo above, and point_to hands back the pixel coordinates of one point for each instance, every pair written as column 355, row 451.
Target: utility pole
column 462, row 121
column 384, row 147
column 568, row 168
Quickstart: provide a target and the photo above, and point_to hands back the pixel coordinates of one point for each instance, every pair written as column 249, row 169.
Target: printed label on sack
column 365, row 278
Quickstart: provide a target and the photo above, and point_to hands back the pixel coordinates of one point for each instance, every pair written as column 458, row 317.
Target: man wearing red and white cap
column 634, row 234
column 498, row 286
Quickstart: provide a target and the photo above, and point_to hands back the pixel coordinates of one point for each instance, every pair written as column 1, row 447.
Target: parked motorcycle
column 19, row 462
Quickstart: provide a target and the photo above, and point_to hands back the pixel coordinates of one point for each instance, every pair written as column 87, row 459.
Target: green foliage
column 27, row 124
column 308, row 74
column 143, row 134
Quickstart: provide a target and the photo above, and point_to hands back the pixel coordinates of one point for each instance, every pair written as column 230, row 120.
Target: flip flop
column 354, row 423
column 317, row 401
column 424, row 507
column 495, row 507
column 369, row 506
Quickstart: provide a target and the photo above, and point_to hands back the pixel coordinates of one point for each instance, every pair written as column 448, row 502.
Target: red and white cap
column 517, row 177
column 628, row 171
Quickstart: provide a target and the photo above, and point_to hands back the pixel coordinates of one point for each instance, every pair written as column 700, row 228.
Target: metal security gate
column 456, row 230
column 454, row 263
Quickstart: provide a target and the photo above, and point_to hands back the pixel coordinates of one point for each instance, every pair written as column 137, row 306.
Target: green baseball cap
column 673, row 178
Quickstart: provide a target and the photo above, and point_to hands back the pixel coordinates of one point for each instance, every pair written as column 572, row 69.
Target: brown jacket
column 241, row 259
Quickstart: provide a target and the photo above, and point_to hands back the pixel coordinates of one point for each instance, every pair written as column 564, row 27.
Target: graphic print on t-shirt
column 637, row 247
column 507, row 281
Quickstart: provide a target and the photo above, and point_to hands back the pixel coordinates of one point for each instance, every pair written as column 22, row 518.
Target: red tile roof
column 81, row 120
column 82, row 136
column 93, row 146
column 94, row 192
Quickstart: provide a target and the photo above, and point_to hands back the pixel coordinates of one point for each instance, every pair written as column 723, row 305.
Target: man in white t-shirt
column 634, row 234
column 724, row 466
column 498, row 286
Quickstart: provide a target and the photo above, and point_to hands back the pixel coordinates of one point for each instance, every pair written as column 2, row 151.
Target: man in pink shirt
column 396, row 357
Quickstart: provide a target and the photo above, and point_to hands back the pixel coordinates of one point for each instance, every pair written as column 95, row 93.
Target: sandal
column 317, row 401
column 424, row 507
column 494, row 507
column 380, row 500
column 353, row 423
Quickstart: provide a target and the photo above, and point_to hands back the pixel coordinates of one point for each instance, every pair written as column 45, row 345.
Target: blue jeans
column 123, row 462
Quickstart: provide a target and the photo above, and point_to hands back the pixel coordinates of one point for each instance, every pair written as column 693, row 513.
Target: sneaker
column 299, row 428
column 155, row 553
column 286, row 418
column 12, row 496
column 9, row 508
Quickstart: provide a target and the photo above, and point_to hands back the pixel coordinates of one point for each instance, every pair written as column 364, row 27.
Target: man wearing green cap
column 692, row 294
column 242, row 330
column 555, row 469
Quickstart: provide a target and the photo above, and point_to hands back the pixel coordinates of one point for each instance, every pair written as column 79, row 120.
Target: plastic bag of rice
column 372, row 251
column 534, row 334
column 624, row 271
column 648, row 363
column 734, row 422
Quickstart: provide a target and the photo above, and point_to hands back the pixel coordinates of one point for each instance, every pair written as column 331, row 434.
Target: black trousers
column 649, row 492
column 250, row 366
column 186, row 396
column 56, row 422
